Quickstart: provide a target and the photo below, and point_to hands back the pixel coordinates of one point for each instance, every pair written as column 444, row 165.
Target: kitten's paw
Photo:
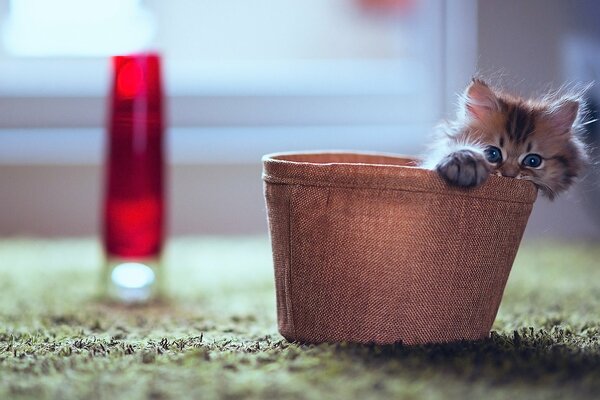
column 464, row 168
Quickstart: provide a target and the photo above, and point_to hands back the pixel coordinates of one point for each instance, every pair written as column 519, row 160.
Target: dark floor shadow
column 525, row 356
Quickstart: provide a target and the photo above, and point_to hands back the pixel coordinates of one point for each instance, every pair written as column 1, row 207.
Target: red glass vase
column 134, row 204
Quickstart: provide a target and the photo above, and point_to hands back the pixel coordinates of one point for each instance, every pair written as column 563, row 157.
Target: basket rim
column 381, row 171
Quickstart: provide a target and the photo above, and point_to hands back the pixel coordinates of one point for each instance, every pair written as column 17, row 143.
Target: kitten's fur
column 518, row 127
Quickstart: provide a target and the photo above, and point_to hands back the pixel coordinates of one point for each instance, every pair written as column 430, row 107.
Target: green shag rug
column 217, row 338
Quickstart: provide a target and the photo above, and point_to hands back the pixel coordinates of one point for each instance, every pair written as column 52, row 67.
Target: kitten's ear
column 563, row 114
column 479, row 101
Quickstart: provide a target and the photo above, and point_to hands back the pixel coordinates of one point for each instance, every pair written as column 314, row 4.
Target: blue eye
column 493, row 154
column 532, row 160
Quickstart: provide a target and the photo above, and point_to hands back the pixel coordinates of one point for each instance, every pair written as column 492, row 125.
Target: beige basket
column 368, row 248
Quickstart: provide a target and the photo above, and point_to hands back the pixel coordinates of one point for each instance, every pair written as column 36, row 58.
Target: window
column 57, row 28
column 295, row 68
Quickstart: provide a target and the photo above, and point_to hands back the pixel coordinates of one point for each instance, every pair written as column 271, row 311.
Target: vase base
column 132, row 281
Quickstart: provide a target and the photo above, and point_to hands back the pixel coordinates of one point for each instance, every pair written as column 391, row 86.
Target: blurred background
column 245, row 78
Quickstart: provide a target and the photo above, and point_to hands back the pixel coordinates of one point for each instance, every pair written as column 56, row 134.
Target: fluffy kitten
column 498, row 133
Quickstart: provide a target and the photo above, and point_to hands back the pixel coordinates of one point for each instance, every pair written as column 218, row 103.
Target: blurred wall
column 522, row 45
column 520, row 42
column 203, row 199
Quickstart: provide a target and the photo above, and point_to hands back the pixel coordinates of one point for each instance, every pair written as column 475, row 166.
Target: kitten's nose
column 510, row 172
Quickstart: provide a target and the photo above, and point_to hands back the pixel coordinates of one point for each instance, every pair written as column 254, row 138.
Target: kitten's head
column 527, row 139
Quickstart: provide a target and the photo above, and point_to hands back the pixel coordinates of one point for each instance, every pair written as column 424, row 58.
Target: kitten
column 535, row 140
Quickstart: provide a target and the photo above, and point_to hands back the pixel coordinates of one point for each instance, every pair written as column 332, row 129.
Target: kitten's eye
column 532, row 160
column 493, row 154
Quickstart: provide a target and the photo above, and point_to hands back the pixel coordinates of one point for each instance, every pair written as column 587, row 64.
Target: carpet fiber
column 216, row 336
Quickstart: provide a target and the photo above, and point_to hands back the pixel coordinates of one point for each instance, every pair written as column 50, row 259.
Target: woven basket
column 368, row 248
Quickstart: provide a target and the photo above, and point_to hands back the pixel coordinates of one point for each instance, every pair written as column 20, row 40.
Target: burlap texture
column 369, row 249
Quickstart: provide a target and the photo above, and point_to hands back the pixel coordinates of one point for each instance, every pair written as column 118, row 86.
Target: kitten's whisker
column 589, row 122
column 541, row 185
